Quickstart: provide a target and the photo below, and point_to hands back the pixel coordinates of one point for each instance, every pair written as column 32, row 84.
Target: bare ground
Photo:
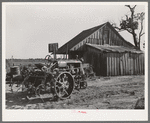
column 120, row 92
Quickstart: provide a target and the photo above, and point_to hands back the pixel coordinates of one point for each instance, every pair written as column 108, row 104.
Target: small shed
column 114, row 60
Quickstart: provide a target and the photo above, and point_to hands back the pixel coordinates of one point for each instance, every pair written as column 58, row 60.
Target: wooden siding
column 98, row 38
column 113, row 63
column 125, row 64
column 97, row 60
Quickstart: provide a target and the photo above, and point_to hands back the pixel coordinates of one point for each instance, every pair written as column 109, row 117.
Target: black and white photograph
column 74, row 61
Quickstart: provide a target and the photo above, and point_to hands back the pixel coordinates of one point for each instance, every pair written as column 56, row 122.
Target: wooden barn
column 106, row 50
column 114, row 60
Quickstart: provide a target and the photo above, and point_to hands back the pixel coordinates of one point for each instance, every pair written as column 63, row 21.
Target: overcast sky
column 30, row 28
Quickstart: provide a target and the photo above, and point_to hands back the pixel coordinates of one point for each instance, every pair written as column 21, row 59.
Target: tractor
column 58, row 77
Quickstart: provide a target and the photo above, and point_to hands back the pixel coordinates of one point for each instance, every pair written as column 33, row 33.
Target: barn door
column 106, row 36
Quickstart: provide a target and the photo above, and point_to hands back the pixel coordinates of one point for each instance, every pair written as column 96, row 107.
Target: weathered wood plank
column 121, row 64
column 115, row 64
column 129, row 61
column 100, row 57
column 105, row 63
column 98, row 37
column 115, row 36
column 125, row 64
column 107, row 57
column 131, row 64
column 118, row 57
column 109, row 36
column 126, row 61
column 110, row 64
column 135, row 64
column 102, row 70
column 140, row 64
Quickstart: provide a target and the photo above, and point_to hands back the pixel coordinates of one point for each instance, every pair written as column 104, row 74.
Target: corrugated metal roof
column 63, row 49
column 119, row 49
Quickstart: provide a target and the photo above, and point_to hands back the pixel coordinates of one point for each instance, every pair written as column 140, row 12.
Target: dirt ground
column 120, row 92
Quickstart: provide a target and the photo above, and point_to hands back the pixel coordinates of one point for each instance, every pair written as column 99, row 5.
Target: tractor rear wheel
column 64, row 85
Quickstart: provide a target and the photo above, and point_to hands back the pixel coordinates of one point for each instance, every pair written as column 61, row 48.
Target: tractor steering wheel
column 48, row 59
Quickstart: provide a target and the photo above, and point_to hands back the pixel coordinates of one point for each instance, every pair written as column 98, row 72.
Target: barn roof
column 81, row 36
column 119, row 49
column 77, row 39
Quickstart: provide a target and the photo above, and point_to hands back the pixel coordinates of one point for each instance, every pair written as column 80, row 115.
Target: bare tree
column 131, row 24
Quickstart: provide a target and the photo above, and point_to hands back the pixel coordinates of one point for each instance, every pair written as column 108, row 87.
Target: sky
column 30, row 27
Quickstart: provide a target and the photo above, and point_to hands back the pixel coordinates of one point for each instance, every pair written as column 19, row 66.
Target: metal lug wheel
column 64, row 85
column 40, row 89
column 43, row 89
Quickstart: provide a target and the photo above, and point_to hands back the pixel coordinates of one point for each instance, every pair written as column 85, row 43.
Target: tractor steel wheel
column 64, row 85
column 40, row 89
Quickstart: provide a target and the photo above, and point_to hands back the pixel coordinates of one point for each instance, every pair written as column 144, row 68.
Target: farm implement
column 56, row 77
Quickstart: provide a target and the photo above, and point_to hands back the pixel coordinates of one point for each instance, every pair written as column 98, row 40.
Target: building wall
column 114, row 64
column 97, row 59
column 103, row 36
column 125, row 64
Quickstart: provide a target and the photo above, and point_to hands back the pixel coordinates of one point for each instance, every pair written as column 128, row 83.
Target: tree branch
column 128, row 6
column 134, row 7
column 131, row 8
column 118, row 28
column 142, row 33
column 127, row 18
column 129, row 31
column 141, row 28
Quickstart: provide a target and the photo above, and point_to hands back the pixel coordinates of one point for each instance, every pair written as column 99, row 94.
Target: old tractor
column 58, row 77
